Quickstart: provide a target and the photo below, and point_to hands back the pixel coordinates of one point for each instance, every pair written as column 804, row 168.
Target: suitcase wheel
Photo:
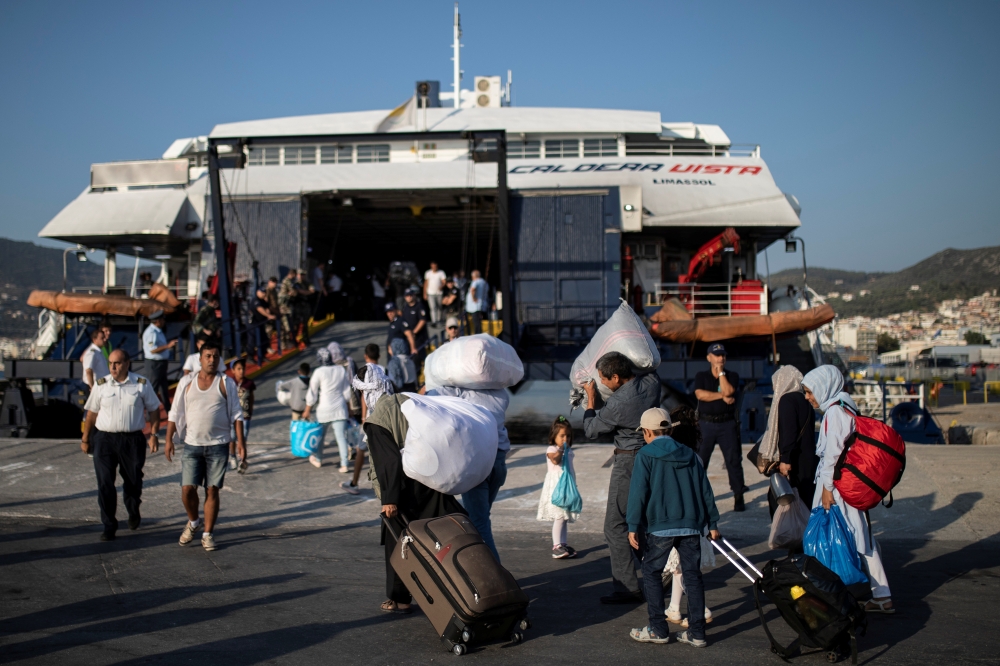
column 458, row 649
column 833, row 656
column 525, row 624
column 516, row 637
column 468, row 635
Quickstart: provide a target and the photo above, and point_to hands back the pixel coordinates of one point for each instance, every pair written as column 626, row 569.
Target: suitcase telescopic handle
column 748, row 562
column 735, row 563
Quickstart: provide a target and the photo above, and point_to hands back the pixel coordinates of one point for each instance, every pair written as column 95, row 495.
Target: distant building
column 914, row 287
column 847, row 297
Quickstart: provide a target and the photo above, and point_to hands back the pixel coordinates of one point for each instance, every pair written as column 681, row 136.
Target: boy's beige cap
column 655, row 418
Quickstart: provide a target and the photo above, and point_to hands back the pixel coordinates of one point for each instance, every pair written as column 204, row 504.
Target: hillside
column 26, row 266
column 947, row 274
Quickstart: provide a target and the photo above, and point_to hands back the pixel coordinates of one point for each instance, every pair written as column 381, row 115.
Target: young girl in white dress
column 558, row 452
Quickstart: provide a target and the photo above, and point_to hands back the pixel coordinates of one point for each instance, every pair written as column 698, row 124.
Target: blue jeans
column 479, row 501
column 204, row 465
column 654, row 559
column 340, row 433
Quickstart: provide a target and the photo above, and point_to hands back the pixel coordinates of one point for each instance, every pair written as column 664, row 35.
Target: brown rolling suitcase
column 457, row 582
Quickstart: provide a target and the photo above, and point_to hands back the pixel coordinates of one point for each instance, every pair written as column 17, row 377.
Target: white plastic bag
column 451, row 444
column 473, row 362
column 283, row 393
column 789, row 523
column 623, row 332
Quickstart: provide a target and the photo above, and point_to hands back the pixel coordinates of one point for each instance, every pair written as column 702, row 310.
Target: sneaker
column 560, row 553
column 315, row 462
column 739, row 504
column 350, row 487
column 684, row 637
column 646, row 635
column 233, row 462
column 345, row 470
column 572, row 551
column 107, row 536
column 207, row 541
column 187, row 536
column 134, row 521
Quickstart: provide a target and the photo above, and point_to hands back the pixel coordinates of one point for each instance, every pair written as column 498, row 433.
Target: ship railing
column 125, row 290
column 711, row 300
column 671, row 150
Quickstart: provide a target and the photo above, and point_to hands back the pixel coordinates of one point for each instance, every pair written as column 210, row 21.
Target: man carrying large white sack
column 424, row 451
column 478, row 369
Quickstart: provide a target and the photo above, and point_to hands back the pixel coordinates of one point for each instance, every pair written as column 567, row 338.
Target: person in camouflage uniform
column 303, row 304
column 286, row 302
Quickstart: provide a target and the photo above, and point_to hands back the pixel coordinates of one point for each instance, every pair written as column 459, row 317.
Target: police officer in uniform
column 398, row 328
column 716, row 392
column 118, row 406
column 414, row 313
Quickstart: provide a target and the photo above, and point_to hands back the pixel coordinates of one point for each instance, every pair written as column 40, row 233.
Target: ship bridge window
column 300, row 155
column 264, row 156
column 524, row 149
column 375, row 152
column 335, row 154
column 600, row 147
column 562, row 148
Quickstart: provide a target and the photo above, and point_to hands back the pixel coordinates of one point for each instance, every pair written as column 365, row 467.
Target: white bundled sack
column 623, row 332
column 283, row 393
column 451, row 444
column 473, row 362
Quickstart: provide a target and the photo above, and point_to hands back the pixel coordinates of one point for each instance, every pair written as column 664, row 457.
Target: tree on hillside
column 975, row 338
column 886, row 343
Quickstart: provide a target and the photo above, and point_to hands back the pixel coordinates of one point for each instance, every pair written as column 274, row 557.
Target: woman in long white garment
column 824, row 390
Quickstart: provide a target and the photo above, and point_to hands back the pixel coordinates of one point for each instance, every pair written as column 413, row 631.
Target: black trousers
column 158, row 379
column 727, row 436
column 124, row 452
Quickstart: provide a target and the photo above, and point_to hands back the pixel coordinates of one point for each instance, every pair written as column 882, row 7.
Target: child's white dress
column 547, row 511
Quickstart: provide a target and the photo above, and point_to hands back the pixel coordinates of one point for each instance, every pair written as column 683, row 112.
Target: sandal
column 879, row 606
column 390, row 606
column 644, row 635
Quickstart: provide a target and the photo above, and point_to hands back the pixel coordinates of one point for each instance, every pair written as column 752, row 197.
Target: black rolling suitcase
column 812, row 600
column 453, row 576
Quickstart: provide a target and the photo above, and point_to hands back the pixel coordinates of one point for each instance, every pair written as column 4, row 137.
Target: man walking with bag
column 117, row 407
column 205, row 405
column 631, row 396
column 716, row 393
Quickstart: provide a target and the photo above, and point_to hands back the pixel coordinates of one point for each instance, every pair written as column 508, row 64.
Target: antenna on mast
column 456, row 58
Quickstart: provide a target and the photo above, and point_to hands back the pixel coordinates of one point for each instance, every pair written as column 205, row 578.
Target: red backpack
column 871, row 464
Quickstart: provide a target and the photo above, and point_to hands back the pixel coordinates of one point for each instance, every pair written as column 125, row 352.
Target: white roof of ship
column 513, row 119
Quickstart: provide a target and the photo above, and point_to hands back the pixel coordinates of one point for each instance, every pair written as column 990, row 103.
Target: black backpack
column 815, row 603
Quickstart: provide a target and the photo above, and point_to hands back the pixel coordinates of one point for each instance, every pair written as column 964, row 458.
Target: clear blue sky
column 882, row 118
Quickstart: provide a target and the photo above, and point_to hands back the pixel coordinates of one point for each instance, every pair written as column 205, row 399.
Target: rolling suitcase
column 457, row 582
column 812, row 600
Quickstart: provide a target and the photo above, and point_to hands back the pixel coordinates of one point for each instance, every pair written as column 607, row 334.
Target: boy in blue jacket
column 671, row 500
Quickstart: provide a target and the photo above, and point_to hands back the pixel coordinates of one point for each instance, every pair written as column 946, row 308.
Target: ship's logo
column 734, row 169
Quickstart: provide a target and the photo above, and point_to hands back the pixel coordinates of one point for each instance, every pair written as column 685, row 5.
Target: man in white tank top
column 205, row 404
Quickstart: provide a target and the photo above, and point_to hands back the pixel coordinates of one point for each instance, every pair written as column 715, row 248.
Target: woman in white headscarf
column 824, row 388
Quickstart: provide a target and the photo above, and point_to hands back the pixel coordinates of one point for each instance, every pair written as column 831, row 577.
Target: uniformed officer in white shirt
column 118, row 406
column 94, row 364
column 156, row 350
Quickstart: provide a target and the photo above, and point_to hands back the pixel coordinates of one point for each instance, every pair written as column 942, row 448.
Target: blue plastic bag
column 306, row 438
column 565, row 495
column 829, row 540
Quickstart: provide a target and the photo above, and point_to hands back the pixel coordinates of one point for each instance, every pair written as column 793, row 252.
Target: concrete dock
column 299, row 573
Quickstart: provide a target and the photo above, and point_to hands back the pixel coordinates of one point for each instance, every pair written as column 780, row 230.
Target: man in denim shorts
column 205, row 405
